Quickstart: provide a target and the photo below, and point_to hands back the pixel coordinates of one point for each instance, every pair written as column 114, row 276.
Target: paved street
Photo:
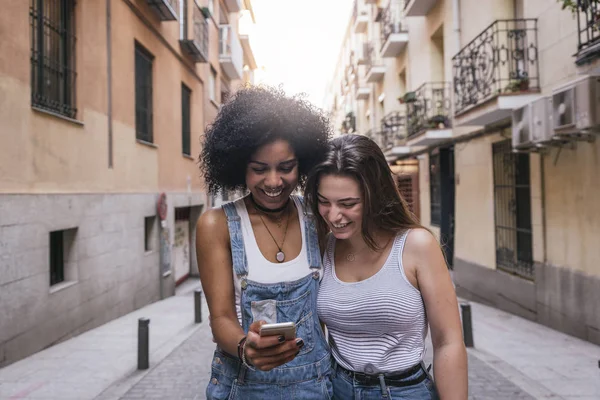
column 513, row 359
column 185, row 373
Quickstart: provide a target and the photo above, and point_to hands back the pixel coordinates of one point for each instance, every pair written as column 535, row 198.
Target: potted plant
column 438, row 122
column 523, row 84
column 205, row 11
column 518, row 85
column 410, row 97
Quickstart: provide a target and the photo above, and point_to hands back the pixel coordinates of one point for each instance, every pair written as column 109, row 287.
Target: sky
column 298, row 43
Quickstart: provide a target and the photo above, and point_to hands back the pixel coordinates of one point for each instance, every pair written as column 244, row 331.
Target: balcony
column 375, row 68
column 195, row 43
column 231, row 56
column 429, row 114
column 393, row 133
column 496, row 72
column 363, row 91
column 394, row 36
column 360, row 19
column 233, row 5
column 588, row 26
column 166, row 10
column 418, row 8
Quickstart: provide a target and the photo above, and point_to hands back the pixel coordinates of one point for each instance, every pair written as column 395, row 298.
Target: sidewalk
column 513, row 359
column 545, row 363
column 87, row 365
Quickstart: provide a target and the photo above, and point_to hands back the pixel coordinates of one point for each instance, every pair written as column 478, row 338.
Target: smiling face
column 272, row 174
column 341, row 205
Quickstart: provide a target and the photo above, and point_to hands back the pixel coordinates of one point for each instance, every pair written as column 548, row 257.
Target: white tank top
column 375, row 325
column 259, row 268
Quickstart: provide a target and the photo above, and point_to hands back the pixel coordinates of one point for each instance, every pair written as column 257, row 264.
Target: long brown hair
column 359, row 157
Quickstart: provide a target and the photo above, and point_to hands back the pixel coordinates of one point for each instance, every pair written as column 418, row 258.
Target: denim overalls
column 308, row 376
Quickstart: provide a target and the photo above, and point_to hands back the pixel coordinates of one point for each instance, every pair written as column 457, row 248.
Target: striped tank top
column 377, row 325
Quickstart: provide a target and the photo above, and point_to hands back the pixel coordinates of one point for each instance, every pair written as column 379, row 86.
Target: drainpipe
column 456, row 24
column 543, row 201
column 109, row 83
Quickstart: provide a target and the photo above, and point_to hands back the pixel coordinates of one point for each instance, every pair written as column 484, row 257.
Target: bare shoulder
column 212, row 224
column 420, row 242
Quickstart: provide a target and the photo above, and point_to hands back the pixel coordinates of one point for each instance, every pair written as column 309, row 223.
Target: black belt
column 397, row 380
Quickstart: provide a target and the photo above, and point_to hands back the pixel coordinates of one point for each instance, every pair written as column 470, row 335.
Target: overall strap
column 238, row 252
column 312, row 238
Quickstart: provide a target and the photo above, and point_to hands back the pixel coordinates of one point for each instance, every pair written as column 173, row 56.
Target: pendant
column 350, row 257
column 280, row 256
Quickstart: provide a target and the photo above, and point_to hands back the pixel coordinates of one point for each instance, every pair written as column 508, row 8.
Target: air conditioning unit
column 542, row 125
column 532, row 124
column 521, row 127
column 577, row 108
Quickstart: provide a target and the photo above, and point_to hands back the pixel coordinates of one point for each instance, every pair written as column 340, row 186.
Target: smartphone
column 285, row 329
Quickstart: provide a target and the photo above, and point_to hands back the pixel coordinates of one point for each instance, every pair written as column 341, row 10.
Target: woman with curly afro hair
column 259, row 256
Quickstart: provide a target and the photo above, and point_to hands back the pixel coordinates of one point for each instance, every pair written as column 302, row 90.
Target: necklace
column 280, row 256
column 352, row 255
column 268, row 210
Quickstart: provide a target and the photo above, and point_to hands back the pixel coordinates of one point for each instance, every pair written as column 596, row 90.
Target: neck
column 357, row 243
column 268, row 211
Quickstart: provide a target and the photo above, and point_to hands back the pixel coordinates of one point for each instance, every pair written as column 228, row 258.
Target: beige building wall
column 565, row 221
column 572, row 190
column 55, row 174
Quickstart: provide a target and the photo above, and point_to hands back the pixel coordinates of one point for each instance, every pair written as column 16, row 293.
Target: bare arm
column 435, row 284
column 216, row 273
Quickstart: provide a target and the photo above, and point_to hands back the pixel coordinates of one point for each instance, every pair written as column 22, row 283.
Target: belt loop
column 241, row 373
column 384, row 391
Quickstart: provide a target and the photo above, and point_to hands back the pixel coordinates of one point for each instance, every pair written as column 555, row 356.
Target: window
column 512, row 204
column 53, row 56
column 212, row 84
column 57, row 264
column 62, row 256
column 435, row 189
column 186, row 95
column 225, row 91
column 143, row 94
column 149, row 226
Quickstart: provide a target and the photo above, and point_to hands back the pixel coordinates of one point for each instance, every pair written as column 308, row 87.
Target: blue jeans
column 346, row 387
column 306, row 377
column 228, row 381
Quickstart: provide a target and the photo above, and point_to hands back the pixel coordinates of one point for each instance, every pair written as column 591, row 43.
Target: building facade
column 102, row 107
column 492, row 114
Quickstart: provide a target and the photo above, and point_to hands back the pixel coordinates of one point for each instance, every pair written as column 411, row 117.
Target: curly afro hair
column 254, row 116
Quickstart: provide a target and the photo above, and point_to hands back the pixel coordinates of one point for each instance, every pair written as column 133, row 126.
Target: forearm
column 450, row 371
column 227, row 333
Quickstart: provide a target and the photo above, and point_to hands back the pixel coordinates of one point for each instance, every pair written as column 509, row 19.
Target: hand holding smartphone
column 285, row 329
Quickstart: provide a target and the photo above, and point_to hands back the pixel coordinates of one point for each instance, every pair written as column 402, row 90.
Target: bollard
column 198, row 305
column 143, row 343
column 467, row 325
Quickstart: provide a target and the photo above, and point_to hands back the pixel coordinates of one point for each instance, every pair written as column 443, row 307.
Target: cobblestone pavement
column 184, row 374
column 486, row 383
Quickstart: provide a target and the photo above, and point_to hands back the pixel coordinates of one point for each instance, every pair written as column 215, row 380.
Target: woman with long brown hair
column 385, row 282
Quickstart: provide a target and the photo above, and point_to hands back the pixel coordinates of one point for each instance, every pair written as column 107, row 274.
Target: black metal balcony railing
column 391, row 20
column 370, row 58
column 428, row 107
column 503, row 59
column 197, row 45
column 393, row 128
column 588, row 27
